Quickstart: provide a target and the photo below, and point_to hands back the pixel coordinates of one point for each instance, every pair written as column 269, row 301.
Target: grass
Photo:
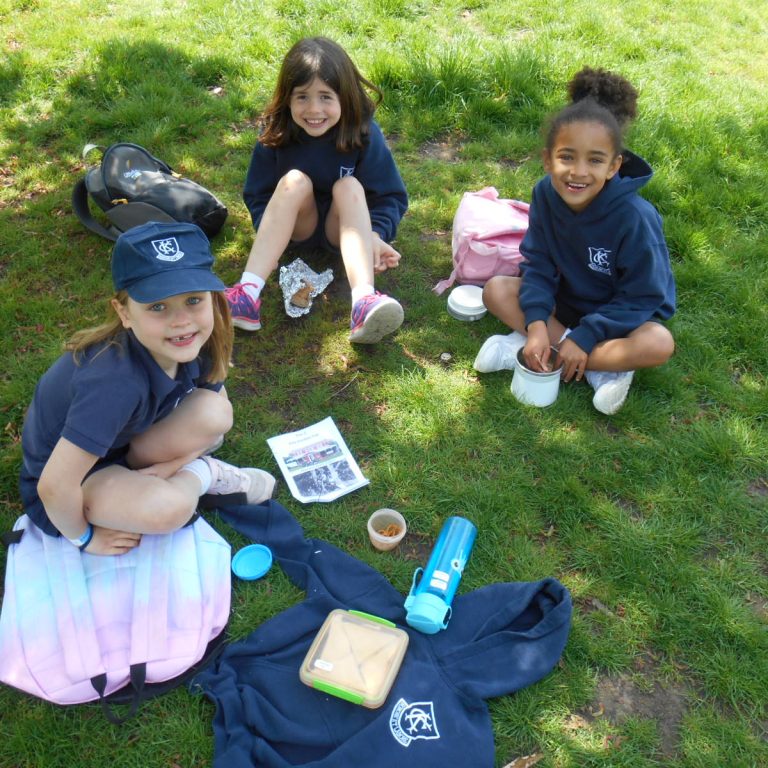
column 655, row 519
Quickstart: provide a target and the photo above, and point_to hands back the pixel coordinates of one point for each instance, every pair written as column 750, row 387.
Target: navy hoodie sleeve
column 260, row 182
column 540, row 275
column 644, row 286
column 384, row 188
column 319, row 568
column 517, row 629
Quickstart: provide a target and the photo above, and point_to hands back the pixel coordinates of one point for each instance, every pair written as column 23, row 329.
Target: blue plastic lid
column 427, row 613
column 252, row 562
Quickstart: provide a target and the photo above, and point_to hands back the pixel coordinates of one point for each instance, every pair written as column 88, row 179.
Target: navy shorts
column 568, row 316
column 318, row 238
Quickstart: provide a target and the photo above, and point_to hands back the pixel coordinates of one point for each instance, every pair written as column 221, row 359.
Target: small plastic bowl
column 379, row 521
column 252, row 562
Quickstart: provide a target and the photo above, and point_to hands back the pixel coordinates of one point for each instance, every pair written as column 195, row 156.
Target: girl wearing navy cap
column 115, row 437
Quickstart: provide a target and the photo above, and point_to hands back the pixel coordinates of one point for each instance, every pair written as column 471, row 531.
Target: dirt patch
column 416, row 546
column 759, row 606
column 444, row 151
column 513, row 162
column 632, row 510
column 758, row 488
column 426, row 237
column 619, row 698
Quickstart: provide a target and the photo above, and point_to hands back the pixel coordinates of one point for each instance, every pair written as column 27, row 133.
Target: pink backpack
column 77, row 627
column 487, row 232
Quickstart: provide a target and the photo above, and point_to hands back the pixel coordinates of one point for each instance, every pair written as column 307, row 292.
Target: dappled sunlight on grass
column 654, row 518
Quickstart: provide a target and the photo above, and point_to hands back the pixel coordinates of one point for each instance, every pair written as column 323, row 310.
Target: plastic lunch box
column 355, row 656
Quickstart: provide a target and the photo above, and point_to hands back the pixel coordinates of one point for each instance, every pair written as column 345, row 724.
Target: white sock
column 361, row 290
column 252, row 284
column 200, row 469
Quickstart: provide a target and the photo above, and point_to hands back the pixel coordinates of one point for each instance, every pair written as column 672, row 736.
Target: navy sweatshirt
column 373, row 166
column 608, row 262
column 500, row 639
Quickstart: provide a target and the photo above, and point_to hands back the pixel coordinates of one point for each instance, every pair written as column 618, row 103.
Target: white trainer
column 611, row 389
column 499, row 353
column 256, row 484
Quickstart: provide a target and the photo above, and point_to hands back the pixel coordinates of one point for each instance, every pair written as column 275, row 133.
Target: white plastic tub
column 465, row 302
column 537, row 388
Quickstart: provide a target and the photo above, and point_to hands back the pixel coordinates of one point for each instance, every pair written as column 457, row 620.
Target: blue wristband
column 84, row 540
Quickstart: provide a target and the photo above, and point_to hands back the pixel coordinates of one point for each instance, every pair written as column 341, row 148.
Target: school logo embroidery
column 409, row 722
column 598, row 260
column 345, row 171
column 167, row 249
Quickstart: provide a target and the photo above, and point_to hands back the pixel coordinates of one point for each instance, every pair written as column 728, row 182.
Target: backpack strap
column 138, row 678
column 11, row 537
column 83, row 212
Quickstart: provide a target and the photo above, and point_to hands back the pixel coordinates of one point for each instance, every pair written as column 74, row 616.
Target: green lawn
column 656, row 519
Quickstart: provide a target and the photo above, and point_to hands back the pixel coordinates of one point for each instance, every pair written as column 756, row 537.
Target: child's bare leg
column 502, row 299
column 648, row 346
column 187, row 432
column 348, row 227
column 122, row 499
column 500, row 296
column 291, row 214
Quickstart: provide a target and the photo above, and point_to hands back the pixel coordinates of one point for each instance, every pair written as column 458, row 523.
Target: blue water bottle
column 428, row 605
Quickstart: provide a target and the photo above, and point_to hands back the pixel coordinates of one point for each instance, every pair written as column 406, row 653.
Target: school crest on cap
column 167, row 249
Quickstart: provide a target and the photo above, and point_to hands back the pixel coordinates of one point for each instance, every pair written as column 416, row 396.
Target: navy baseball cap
column 156, row 260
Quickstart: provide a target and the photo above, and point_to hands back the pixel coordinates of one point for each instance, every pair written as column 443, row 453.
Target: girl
column 597, row 278
column 113, row 440
column 321, row 175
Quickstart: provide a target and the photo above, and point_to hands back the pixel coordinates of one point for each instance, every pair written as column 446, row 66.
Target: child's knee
column 295, row 183
column 665, row 344
column 171, row 509
column 658, row 345
column 347, row 189
column 218, row 415
column 499, row 291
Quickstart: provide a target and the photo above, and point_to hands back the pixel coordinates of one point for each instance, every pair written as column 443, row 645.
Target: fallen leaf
column 526, row 761
column 612, row 741
column 599, row 712
column 600, row 606
column 575, row 723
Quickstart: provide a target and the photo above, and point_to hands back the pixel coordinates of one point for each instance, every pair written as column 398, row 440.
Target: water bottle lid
column 427, row 613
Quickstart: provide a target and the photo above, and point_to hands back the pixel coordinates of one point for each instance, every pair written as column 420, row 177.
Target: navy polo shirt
column 115, row 392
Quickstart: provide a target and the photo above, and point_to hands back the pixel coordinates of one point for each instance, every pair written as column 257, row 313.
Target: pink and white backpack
column 487, row 232
column 76, row 627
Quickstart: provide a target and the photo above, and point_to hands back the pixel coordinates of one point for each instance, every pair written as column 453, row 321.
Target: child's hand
column 105, row 541
column 573, row 359
column 384, row 255
column 536, row 351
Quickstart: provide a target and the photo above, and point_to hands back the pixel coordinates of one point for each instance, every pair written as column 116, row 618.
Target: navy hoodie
column 373, row 166
column 608, row 262
column 500, row 638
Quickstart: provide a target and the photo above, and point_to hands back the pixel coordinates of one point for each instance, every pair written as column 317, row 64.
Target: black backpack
column 133, row 187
